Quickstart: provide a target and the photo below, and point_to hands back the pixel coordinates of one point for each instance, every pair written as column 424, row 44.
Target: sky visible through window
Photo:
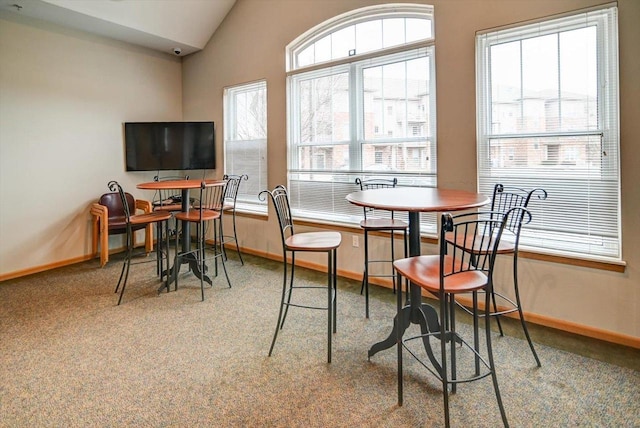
column 365, row 37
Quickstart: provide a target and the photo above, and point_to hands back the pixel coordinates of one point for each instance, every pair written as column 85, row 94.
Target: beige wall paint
column 63, row 98
column 250, row 45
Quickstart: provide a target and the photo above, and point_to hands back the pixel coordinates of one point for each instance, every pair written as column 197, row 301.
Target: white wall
column 250, row 45
column 63, row 98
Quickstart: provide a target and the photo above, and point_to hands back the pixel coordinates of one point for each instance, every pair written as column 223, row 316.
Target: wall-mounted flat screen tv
column 156, row 146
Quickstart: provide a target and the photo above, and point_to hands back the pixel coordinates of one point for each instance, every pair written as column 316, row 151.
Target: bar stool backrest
column 163, row 198
column 280, row 198
column 375, row 183
column 233, row 186
column 507, row 198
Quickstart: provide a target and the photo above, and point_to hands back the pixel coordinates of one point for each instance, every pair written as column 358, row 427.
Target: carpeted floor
column 70, row 357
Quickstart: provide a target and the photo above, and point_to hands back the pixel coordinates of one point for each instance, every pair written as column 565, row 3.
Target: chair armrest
column 100, row 212
column 144, row 205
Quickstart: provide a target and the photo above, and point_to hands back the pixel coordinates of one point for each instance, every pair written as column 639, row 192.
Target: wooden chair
column 108, row 218
column 379, row 221
column 133, row 222
column 457, row 269
column 319, row 242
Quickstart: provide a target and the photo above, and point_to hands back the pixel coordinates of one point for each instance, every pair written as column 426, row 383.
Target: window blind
column 547, row 105
column 245, row 141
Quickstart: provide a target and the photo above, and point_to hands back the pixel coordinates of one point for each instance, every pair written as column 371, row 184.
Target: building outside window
column 548, row 118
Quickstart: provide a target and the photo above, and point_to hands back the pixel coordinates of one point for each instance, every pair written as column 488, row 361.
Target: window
column 361, row 103
column 548, row 117
column 245, row 141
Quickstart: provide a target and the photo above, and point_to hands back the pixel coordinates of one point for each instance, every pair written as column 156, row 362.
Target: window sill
column 611, row 266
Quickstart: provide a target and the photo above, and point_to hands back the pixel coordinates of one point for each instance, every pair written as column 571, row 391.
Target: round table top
column 177, row 184
column 418, row 199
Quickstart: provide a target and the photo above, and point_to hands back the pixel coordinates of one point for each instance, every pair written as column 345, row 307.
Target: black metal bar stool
column 382, row 221
column 319, row 242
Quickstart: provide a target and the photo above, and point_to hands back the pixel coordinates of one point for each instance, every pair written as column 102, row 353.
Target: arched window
column 361, row 103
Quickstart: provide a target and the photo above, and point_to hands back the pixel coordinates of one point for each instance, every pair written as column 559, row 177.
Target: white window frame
column 255, row 156
column 320, row 195
column 559, row 226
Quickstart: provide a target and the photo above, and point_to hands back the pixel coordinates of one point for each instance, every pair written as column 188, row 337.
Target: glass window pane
column 323, row 50
column 400, row 157
column 324, row 109
column 368, row 36
column 343, row 41
column 393, row 32
column 250, row 113
column 418, row 29
column 306, row 57
column 245, row 140
column 578, row 79
column 398, row 100
column 540, row 104
column 324, row 158
column 418, row 97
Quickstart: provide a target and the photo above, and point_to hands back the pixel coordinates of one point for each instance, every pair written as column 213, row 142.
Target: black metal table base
column 193, row 267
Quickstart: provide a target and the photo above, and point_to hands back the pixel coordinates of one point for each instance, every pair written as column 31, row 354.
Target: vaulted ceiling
column 163, row 25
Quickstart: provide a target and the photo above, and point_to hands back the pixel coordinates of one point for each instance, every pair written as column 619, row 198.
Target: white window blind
column 370, row 116
column 245, row 141
column 547, row 103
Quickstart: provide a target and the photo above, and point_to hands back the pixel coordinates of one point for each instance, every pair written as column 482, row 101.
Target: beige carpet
column 69, row 357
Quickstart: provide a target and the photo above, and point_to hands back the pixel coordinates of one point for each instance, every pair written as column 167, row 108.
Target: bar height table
column 415, row 200
column 184, row 186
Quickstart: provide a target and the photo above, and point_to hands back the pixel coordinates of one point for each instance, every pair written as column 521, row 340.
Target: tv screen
column 153, row 146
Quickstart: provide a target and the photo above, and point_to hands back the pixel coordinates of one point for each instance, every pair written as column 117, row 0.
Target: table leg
column 415, row 312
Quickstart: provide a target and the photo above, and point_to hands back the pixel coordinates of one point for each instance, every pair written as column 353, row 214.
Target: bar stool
column 383, row 221
column 204, row 210
column 466, row 268
column 503, row 200
column 318, row 242
column 133, row 222
column 170, row 201
column 229, row 206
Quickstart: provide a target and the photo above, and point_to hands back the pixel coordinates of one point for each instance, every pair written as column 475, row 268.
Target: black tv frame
column 169, row 146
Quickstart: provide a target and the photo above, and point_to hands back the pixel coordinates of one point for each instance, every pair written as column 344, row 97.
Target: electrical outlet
column 355, row 241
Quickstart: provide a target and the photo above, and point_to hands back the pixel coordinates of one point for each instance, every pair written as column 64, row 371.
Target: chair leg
column 522, row 320
column 176, row 260
column 393, row 258
column 293, row 270
column 235, row 238
column 329, row 304
column 168, row 249
column 159, row 249
column 406, row 254
column 280, row 313
column 492, row 366
column 452, row 341
column 495, row 310
column 223, row 258
column 443, row 358
column 365, row 277
column 104, row 244
column 399, row 339
column 127, row 264
column 335, row 290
